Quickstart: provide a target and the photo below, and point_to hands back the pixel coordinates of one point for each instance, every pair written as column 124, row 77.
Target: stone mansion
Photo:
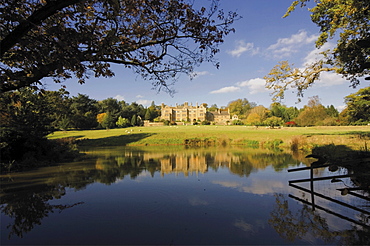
column 190, row 113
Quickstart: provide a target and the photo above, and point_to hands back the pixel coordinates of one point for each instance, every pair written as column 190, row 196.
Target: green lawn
column 354, row 136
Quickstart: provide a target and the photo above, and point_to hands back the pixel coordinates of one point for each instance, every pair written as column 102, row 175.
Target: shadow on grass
column 360, row 134
column 72, row 137
column 121, row 140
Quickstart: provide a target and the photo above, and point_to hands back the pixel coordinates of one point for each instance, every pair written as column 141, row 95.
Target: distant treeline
column 27, row 116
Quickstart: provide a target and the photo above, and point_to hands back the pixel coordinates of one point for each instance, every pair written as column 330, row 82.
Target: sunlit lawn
column 348, row 135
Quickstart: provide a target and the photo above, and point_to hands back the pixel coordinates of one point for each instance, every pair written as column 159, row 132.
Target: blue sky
column 262, row 38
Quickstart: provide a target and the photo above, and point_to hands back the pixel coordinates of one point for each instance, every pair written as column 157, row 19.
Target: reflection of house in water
column 183, row 164
column 191, row 163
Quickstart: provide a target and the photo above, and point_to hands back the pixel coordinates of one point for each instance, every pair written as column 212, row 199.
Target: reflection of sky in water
column 196, row 197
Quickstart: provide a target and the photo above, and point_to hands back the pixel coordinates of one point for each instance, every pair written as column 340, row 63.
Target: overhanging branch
column 33, row 20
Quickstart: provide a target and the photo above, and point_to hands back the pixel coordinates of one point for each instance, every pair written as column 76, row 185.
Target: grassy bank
column 294, row 137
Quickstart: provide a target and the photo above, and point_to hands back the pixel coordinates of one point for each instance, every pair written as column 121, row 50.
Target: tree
column 279, row 110
column 291, row 113
column 254, row 119
column 139, row 121
column 112, row 108
column 59, row 104
column 332, row 111
column 148, row 115
column 261, row 111
column 65, row 38
column 155, row 111
column 109, row 121
column 273, row 121
column 213, row 108
column 312, row 114
column 122, row 122
column 283, row 77
column 25, row 120
column 100, row 118
column 134, row 120
column 348, row 21
column 133, row 109
column 110, row 105
column 240, row 107
column 84, row 111
column 358, row 106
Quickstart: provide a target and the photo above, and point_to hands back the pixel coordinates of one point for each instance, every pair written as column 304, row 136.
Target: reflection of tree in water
column 30, row 204
column 27, row 206
column 248, row 164
column 308, row 222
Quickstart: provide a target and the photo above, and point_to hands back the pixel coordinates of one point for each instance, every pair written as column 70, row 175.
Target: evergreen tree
column 148, row 115
column 133, row 120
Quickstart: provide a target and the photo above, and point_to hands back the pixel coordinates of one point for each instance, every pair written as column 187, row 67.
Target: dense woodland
column 48, row 111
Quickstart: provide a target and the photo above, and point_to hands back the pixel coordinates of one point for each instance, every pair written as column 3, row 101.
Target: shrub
column 290, row 123
column 166, row 122
column 237, row 122
column 41, row 152
column 273, row 144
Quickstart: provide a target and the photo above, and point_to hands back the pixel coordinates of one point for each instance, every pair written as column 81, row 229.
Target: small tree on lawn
column 100, row 118
column 122, row 122
column 273, row 121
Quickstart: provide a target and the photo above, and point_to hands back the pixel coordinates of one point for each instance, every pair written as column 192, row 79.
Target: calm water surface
column 174, row 195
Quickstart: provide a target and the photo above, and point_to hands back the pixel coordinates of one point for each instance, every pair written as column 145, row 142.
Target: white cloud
column 242, row 47
column 119, row 98
column 330, row 79
column 285, row 47
column 144, row 102
column 139, row 96
column 255, row 85
column 315, row 55
column 199, row 73
column 226, row 90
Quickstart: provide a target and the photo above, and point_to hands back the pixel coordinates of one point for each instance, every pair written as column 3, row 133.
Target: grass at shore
column 292, row 137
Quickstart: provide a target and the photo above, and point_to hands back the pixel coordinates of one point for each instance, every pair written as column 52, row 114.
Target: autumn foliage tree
column 312, row 114
column 348, row 22
column 240, row 107
column 158, row 39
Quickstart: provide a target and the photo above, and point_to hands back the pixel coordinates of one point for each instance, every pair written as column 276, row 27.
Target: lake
column 172, row 195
